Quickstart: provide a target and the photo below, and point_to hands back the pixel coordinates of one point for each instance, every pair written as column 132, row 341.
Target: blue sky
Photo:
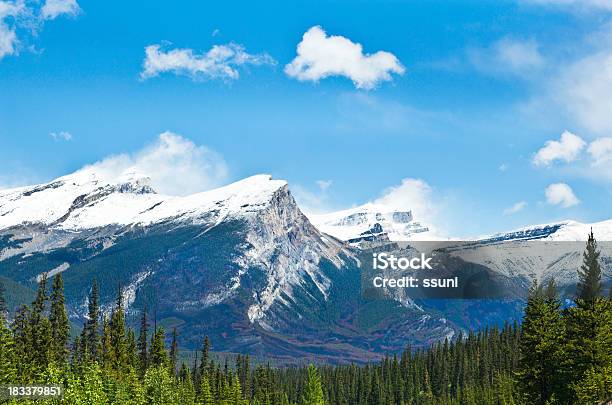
column 470, row 97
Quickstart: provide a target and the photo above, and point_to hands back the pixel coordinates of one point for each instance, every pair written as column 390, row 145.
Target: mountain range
column 244, row 265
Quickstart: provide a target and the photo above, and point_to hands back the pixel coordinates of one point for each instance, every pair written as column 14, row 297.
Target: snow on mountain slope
column 86, row 199
column 369, row 221
column 542, row 251
column 560, row 231
column 275, row 242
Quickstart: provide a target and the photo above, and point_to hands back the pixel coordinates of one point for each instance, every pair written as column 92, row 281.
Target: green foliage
column 555, row 357
column 313, row 391
column 159, row 355
column 159, row 386
column 8, row 360
column 541, row 346
column 58, row 318
column 589, row 285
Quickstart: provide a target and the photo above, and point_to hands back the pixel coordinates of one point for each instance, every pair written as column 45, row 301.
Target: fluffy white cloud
column 601, row 150
column 584, row 87
column 320, row 56
column 8, row 36
column 18, row 20
column 567, row 148
column 561, row 194
column 519, row 206
column 508, row 56
column 220, row 62
column 414, row 194
column 61, row 136
column 176, row 166
column 54, row 8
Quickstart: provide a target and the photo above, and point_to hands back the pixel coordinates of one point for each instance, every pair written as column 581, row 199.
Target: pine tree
column 589, row 331
column 236, row 395
column 22, row 336
column 132, row 352
column 3, row 308
column 205, row 397
column 589, row 286
column 60, row 327
column 541, row 342
column 90, row 341
column 118, row 344
column 8, row 360
column 205, row 355
column 40, row 330
column 313, row 390
column 143, row 342
column 159, row 386
column 105, row 348
column 174, row 351
column 159, row 356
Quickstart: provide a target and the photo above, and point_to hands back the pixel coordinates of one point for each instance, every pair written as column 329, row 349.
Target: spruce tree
column 91, row 332
column 132, row 352
column 118, row 344
column 541, row 344
column 589, row 331
column 105, row 349
column 40, row 330
column 3, row 308
column 205, row 355
column 159, row 356
column 60, row 327
column 143, row 342
column 205, row 397
column 313, row 390
column 174, row 351
column 8, row 359
column 589, row 286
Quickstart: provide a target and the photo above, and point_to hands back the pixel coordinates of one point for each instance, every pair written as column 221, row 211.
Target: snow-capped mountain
column 567, row 231
column 369, row 222
column 240, row 263
column 244, row 265
column 542, row 252
column 87, row 199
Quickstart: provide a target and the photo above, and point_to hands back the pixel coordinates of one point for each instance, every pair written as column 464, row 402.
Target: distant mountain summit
column 369, row 222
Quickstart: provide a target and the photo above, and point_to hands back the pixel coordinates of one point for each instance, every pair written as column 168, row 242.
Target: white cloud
column 508, row 56
column 320, row 56
column 519, row 55
column 584, row 87
column 413, row 194
column 503, row 167
column 19, row 21
column 220, row 62
column 176, row 166
column 54, row 8
column 313, row 201
column 601, row 150
column 561, row 194
column 567, row 148
column 519, row 206
column 8, row 35
column 61, row 136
